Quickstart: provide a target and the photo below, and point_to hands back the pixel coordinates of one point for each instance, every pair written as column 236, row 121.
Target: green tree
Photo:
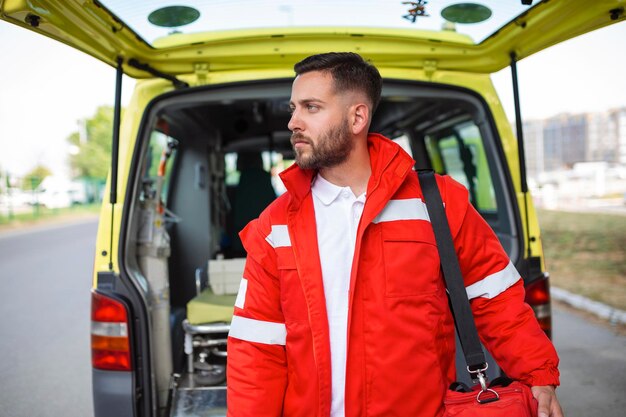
column 91, row 156
column 35, row 176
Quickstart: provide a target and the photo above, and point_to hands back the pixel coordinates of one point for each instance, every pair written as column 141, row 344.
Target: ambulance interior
column 187, row 201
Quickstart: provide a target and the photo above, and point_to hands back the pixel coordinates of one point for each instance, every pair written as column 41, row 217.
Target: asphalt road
column 593, row 366
column 45, row 279
column 45, row 358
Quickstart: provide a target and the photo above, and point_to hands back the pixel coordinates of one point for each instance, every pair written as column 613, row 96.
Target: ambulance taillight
column 538, row 297
column 110, row 346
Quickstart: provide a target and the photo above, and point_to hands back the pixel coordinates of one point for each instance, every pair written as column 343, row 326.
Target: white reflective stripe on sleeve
column 409, row 209
column 258, row 331
column 494, row 284
column 241, row 295
column 279, row 236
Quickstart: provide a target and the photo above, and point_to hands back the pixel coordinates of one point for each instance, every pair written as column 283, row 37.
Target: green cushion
column 210, row 308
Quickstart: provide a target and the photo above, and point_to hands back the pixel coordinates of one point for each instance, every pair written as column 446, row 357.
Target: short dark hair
column 350, row 72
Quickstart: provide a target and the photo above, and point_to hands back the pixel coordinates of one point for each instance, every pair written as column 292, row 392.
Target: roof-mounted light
column 466, row 13
column 173, row 16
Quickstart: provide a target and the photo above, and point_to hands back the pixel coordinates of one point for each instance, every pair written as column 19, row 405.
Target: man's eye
column 311, row 107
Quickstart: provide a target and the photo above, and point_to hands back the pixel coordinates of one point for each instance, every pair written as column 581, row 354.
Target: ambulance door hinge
column 430, row 66
column 202, row 72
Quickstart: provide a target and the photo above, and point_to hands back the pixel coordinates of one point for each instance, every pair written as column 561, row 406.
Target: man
column 342, row 310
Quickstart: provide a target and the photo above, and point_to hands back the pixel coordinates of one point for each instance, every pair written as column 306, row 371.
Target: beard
column 332, row 148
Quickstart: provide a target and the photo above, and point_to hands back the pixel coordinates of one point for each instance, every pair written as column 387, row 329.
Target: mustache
column 299, row 137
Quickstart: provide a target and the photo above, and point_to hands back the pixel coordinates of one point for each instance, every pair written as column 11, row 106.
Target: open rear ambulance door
column 90, row 26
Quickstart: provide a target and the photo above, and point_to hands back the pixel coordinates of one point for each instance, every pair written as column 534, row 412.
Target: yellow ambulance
column 210, row 107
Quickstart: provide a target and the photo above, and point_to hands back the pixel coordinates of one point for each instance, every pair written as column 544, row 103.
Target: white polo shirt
column 337, row 215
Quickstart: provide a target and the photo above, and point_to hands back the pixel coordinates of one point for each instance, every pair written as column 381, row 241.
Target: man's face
column 321, row 136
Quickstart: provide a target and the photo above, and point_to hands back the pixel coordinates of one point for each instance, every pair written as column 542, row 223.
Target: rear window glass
column 459, row 152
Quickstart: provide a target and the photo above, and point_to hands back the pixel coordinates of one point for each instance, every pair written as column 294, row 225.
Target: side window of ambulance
column 250, row 189
column 459, row 152
column 235, row 163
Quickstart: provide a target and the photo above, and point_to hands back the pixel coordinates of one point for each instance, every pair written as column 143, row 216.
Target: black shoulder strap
column 463, row 318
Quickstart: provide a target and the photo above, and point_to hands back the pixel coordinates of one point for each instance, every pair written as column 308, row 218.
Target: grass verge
column 586, row 254
column 45, row 215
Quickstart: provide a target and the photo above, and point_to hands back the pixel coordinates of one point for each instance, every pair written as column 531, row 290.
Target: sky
column 47, row 87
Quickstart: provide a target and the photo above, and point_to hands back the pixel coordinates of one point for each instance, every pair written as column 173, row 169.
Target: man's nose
column 295, row 124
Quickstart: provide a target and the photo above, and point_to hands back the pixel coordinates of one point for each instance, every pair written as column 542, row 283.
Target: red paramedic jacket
column 400, row 357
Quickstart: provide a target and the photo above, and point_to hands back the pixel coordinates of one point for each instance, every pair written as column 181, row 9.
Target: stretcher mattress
column 208, row 307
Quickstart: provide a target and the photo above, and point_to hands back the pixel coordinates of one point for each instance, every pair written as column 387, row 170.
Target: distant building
column 600, row 137
column 563, row 140
column 618, row 120
column 534, row 148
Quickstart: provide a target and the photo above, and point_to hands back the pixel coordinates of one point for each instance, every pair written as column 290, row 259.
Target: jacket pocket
column 292, row 298
column 412, row 266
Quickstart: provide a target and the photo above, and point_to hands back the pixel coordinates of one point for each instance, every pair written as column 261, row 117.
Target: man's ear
column 360, row 118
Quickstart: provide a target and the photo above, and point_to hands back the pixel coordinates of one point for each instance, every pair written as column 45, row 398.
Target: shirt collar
column 325, row 191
